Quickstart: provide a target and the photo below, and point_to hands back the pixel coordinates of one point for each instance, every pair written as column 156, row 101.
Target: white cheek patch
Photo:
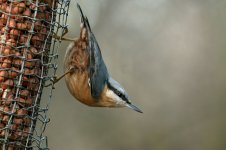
column 115, row 98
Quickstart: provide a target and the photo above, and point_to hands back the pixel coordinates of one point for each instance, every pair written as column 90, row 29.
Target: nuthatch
column 86, row 75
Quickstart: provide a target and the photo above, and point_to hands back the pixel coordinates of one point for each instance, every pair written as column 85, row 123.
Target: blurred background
column 170, row 56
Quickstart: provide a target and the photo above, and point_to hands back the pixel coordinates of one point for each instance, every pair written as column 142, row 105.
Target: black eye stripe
column 121, row 95
column 118, row 93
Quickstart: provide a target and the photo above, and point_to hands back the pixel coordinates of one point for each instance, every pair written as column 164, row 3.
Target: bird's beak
column 134, row 107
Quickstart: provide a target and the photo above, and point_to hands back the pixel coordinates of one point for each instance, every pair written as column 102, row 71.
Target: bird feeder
column 28, row 59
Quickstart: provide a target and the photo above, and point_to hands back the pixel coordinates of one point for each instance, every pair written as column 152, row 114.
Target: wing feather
column 97, row 70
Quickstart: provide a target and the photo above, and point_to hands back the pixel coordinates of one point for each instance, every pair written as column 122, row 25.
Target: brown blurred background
column 170, row 56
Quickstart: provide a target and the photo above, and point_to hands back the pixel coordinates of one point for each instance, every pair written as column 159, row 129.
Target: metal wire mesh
column 28, row 58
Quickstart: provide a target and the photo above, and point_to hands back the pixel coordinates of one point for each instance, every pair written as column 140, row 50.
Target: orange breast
column 77, row 83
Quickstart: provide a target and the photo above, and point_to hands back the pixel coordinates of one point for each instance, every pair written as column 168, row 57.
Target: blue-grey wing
column 98, row 73
column 98, row 70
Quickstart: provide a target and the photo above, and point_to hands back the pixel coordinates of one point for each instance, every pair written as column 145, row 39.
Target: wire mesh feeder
column 28, row 58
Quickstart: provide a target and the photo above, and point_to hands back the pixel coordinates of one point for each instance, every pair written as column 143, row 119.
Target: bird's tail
column 129, row 105
column 84, row 19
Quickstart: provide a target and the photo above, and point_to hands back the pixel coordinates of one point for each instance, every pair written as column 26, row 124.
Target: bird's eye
column 119, row 94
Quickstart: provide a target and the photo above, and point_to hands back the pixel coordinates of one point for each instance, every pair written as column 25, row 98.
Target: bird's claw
column 62, row 36
column 53, row 80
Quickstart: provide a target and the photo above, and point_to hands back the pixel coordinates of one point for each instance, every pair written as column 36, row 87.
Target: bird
column 86, row 74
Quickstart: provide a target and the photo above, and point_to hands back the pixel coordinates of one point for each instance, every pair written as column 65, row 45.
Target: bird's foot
column 53, row 81
column 62, row 37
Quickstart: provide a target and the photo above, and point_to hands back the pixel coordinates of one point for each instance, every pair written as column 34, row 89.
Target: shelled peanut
column 24, row 43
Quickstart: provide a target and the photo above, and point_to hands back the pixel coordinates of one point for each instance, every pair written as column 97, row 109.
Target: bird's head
column 118, row 94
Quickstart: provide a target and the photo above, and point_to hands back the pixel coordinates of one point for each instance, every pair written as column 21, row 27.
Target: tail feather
column 84, row 19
